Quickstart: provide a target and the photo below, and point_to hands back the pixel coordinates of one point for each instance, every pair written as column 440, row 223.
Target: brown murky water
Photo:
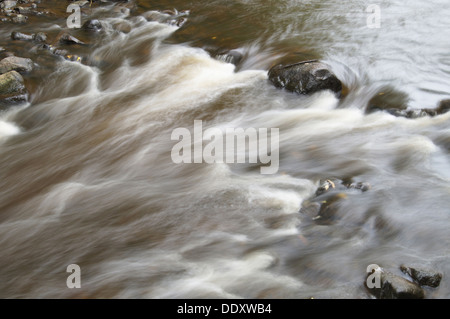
column 86, row 175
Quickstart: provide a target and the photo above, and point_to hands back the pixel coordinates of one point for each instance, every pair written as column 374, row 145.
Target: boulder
column 14, row 63
column 424, row 277
column 444, row 107
column 12, row 89
column 396, row 287
column 305, row 77
column 92, row 25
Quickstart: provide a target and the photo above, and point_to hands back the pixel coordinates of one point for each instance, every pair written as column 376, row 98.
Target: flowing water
column 86, row 175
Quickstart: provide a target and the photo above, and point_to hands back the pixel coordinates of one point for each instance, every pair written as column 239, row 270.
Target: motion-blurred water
column 86, row 175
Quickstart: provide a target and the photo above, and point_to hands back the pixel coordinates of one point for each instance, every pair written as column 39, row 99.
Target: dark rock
column 418, row 113
column 388, row 99
column 323, row 208
column 325, row 187
column 339, row 185
column 14, row 63
column 423, row 277
column 11, row 82
column 8, row 100
column 63, row 53
column 396, row 287
column 21, row 36
column 310, row 208
column 93, row 25
column 40, row 37
column 232, row 56
column 305, row 77
column 329, row 208
column 66, row 38
column 414, row 114
column 171, row 17
column 364, row 187
column 444, row 107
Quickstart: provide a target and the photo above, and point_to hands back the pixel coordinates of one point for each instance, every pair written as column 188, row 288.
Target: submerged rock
column 364, row 187
column 396, row 287
column 40, row 37
column 92, row 25
column 327, row 185
column 389, row 99
column 229, row 56
column 339, row 185
column 171, row 17
column 396, row 103
column 323, row 208
column 424, row 277
column 14, row 63
column 305, row 77
column 443, row 107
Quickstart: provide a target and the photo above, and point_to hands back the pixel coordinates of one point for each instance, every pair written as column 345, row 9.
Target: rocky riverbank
column 43, row 50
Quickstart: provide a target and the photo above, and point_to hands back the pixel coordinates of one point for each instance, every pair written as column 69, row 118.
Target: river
column 86, row 175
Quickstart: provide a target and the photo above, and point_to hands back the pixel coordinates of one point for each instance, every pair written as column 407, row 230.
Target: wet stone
column 305, row 77
column 14, row 63
column 424, row 277
column 396, row 287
